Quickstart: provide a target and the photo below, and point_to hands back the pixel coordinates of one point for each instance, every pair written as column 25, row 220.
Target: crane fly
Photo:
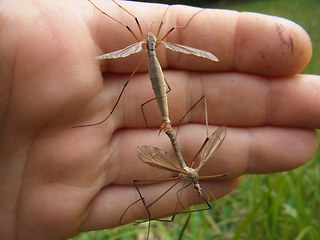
column 155, row 71
column 158, row 158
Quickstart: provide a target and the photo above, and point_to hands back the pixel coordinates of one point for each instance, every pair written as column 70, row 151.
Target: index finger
column 243, row 42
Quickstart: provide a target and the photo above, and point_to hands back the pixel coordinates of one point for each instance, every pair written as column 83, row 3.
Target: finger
column 115, row 199
column 244, row 42
column 259, row 150
column 244, row 150
column 233, row 99
column 244, row 100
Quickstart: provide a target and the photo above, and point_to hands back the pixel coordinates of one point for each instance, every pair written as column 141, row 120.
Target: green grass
column 276, row 206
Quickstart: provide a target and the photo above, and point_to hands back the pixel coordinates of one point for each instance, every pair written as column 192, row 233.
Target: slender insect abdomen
column 172, row 136
column 158, row 85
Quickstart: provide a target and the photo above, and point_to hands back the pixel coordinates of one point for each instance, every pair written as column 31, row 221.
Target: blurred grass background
column 275, row 206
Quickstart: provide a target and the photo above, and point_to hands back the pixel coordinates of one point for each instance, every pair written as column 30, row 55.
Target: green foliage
column 275, row 206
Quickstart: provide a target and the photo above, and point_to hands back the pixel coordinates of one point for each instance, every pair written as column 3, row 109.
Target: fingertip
column 270, row 45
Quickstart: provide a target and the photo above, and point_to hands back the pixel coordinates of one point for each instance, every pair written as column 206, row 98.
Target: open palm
column 57, row 180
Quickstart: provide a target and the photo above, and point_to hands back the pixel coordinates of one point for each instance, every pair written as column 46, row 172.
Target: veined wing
column 213, row 143
column 190, row 50
column 160, row 159
column 125, row 52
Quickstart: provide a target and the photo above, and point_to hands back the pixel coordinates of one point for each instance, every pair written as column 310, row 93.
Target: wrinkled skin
column 56, row 181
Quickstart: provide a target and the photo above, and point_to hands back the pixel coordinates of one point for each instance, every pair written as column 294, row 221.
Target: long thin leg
column 159, row 218
column 207, row 125
column 151, row 204
column 190, row 211
column 145, row 205
column 158, row 198
column 191, row 108
column 184, row 227
column 126, row 26
column 206, row 117
column 124, row 213
column 173, row 216
column 118, row 99
column 147, row 209
column 135, row 18
column 162, row 20
column 141, row 198
column 180, row 27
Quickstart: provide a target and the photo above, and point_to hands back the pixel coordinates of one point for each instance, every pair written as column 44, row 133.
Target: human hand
column 57, row 181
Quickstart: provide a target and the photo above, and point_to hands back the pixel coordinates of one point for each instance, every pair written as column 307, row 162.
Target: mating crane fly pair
column 151, row 155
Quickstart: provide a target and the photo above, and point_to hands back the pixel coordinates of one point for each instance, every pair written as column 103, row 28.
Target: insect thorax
column 151, row 42
column 191, row 176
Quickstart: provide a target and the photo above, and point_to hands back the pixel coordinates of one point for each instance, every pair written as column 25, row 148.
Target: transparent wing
column 160, row 159
column 190, row 50
column 125, row 52
column 211, row 145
